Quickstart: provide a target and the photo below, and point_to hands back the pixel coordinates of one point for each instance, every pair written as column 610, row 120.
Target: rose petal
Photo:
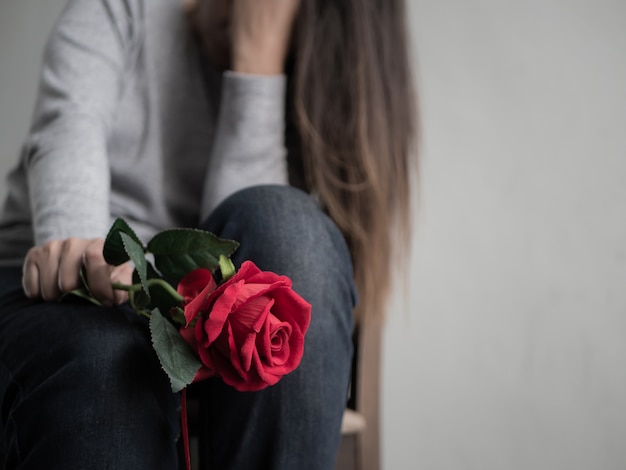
column 267, row 375
column 189, row 336
column 246, row 351
column 292, row 307
column 251, row 314
column 205, row 371
column 202, row 344
column 263, row 340
column 203, row 374
column 199, row 303
column 221, row 309
column 228, row 361
column 194, row 282
column 279, row 342
column 280, row 332
column 227, row 373
column 254, row 333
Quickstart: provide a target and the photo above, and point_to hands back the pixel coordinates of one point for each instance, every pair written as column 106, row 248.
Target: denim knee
column 283, row 229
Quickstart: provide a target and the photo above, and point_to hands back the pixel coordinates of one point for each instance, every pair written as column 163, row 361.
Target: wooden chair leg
column 368, row 394
column 347, row 457
column 360, row 445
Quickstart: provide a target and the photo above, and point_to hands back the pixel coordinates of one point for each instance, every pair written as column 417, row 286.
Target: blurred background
column 508, row 348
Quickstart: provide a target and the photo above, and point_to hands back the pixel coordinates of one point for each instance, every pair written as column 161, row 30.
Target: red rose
column 195, row 287
column 250, row 330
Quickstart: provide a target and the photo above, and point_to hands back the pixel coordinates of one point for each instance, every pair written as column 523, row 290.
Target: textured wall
column 511, row 351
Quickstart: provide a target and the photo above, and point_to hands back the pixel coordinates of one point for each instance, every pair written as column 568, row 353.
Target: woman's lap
column 80, row 383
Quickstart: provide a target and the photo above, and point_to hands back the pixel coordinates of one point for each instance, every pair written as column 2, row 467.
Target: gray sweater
column 133, row 121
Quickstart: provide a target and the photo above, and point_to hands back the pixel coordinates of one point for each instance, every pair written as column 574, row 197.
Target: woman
column 209, row 114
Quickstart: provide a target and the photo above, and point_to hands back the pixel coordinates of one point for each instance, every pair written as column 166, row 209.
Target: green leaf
column 153, row 273
column 177, row 359
column 114, row 252
column 137, row 256
column 180, row 251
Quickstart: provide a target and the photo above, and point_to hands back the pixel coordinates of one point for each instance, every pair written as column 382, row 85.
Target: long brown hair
column 355, row 115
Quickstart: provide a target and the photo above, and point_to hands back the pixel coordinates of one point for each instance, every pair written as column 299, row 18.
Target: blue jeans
column 81, row 388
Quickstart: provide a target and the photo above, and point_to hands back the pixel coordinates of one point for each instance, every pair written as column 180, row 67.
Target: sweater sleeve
column 249, row 146
column 66, row 154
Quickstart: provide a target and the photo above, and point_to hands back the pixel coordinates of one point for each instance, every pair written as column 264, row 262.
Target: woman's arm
column 67, row 164
column 249, row 144
column 66, row 158
column 249, row 141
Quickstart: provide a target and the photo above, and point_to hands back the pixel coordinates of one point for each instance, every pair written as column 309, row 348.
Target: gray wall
column 508, row 349
column 510, row 352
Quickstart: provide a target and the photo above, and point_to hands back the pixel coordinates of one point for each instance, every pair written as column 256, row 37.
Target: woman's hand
column 261, row 34
column 53, row 269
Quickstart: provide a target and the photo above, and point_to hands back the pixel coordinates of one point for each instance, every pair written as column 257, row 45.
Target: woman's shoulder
column 128, row 16
column 118, row 31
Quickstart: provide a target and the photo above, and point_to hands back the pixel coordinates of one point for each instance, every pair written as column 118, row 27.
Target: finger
column 120, row 297
column 30, row 274
column 98, row 272
column 48, row 263
column 70, row 264
column 122, row 274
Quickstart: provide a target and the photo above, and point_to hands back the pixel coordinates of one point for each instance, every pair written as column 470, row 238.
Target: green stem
column 126, row 287
column 151, row 282
column 168, row 288
column 143, row 313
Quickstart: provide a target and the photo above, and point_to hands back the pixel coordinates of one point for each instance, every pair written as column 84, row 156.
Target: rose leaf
column 136, row 254
column 177, row 359
column 114, row 252
column 180, row 251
